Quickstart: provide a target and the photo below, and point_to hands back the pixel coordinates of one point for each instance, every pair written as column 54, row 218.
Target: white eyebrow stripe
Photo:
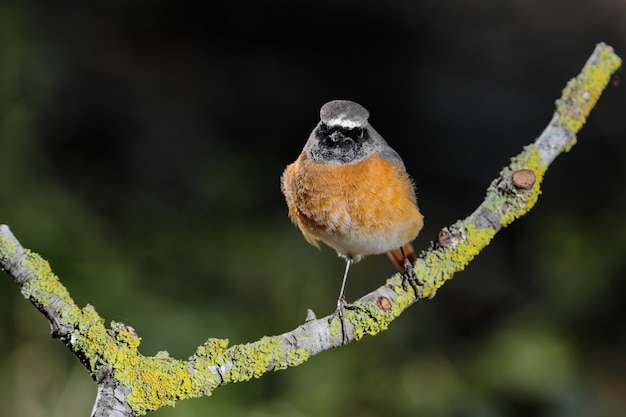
column 348, row 124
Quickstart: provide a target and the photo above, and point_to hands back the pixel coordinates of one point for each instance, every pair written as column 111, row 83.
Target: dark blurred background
column 141, row 146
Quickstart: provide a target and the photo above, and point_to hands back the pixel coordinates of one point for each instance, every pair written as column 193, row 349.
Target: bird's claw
column 410, row 277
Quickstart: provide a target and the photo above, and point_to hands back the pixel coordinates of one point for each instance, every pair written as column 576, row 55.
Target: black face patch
column 337, row 144
column 340, row 145
column 335, row 135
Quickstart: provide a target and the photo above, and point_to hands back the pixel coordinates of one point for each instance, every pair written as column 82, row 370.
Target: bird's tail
column 398, row 259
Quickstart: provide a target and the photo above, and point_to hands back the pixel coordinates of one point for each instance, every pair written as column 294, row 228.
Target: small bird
column 350, row 190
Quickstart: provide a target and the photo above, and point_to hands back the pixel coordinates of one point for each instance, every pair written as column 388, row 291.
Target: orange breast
column 360, row 209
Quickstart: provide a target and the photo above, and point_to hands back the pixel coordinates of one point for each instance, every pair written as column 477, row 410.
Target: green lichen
column 494, row 199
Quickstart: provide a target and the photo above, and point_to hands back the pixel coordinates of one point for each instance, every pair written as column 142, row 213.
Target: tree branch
column 131, row 384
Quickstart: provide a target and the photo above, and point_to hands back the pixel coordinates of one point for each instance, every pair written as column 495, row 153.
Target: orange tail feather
column 398, row 260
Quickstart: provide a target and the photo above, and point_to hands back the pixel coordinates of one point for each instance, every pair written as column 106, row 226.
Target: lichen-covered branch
column 132, row 384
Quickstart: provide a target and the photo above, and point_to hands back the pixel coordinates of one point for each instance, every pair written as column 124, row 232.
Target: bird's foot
column 341, row 305
column 409, row 277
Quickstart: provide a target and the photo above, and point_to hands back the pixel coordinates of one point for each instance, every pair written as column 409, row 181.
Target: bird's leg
column 341, row 301
column 410, row 277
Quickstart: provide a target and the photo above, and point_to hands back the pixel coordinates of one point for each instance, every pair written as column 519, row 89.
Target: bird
column 351, row 191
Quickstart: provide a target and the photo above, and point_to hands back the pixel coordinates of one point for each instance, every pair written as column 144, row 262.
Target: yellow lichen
column 368, row 319
column 7, row 249
column 46, row 284
column 517, row 202
column 294, row 358
column 405, row 295
column 254, row 359
column 460, row 255
column 155, row 382
column 161, row 380
column 581, row 93
column 212, row 351
column 435, row 267
column 334, row 327
column 158, row 381
column 91, row 338
column 438, row 266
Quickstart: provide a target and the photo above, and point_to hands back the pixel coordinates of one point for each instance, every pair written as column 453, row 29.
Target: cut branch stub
column 523, row 179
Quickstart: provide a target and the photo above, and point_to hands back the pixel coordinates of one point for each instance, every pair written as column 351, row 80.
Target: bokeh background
column 141, row 145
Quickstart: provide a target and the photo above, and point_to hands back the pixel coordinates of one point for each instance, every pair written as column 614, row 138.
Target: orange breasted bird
column 350, row 190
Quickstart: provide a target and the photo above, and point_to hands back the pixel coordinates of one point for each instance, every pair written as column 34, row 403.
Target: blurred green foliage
column 140, row 152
